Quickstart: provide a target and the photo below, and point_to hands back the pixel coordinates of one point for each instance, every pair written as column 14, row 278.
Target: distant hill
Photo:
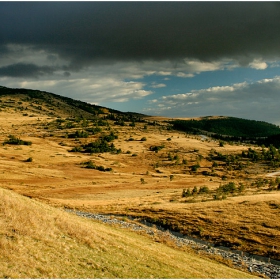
column 41, row 102
column 35, row 102
column 271, row 140
column 227, row 127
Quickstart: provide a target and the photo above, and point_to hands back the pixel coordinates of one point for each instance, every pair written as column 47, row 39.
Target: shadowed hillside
column 221, row 127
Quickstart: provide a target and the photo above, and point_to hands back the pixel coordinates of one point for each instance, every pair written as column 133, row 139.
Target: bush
column 109, row 138
column 29, row 159
column 78, row 134
column 195, row 167
column 89, row 164
column 99, row 146
column 186, row 193
column 203, row 189
column 12, row 140
column 227, row 188
column 241, row 187
column 156, row 148
column 194, row 191
column 215, row 164
column 94, row 130
column 76, row 149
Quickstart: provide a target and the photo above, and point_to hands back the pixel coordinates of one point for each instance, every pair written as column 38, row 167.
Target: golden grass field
column 39, row 241
column 142, row 183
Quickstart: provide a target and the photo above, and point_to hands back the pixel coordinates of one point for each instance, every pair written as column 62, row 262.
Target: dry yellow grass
column 38, row 241
column 55, row 176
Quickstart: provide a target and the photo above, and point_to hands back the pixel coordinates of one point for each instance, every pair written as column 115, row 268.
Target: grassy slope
column 38, row 241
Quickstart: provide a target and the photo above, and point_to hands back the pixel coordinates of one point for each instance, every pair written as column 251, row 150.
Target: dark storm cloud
column 24, row 70
column 87, row 32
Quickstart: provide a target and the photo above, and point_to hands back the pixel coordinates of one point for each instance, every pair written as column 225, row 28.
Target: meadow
column 143, row 168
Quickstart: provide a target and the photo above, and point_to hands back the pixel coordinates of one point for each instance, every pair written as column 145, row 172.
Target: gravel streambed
column 238, row 258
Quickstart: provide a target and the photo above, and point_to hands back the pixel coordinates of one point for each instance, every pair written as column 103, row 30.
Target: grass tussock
column 38, row 241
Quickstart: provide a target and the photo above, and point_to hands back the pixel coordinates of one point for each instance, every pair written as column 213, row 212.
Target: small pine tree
column 186, row 193
column 194, row 191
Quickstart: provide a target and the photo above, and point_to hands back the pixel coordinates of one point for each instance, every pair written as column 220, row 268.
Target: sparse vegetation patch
column 90, row 165
column 13, row 140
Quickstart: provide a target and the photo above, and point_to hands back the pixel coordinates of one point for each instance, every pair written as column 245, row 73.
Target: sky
column 173, row 59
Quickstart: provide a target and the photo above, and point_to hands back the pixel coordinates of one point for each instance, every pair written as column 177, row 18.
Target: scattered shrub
column 227, row 188
column 186, row 193
column 156, row 148
column 78, row 134
column 12, row 140
column 99, row 146
column 142, row 180
column 89, row 164
column 241, row 187
column 194, row 191
column 215, row 164
column 203, row 189
column 221, row 143
column 195, row 167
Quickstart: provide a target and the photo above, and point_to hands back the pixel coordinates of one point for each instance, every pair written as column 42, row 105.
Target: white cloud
column 196, row 66
column 155, row 85
column 258, row 64
column 118, row 82
column 164, row 73
column 259, row 100
column 184, row 75
column 124, row 81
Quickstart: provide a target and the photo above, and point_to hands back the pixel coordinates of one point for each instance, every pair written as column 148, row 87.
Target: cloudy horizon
column 174, row 59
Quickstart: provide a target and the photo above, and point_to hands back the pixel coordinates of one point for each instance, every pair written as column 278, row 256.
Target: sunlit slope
column 38, row 241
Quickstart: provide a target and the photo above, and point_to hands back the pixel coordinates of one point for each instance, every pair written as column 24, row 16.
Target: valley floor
column 143, row 184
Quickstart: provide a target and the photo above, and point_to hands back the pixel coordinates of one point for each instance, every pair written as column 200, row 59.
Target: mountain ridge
column 76, row 107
